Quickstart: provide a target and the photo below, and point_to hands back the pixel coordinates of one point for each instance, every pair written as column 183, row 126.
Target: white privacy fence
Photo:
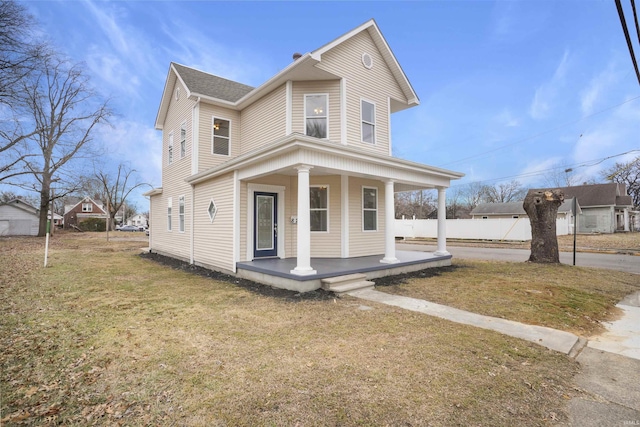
column 483, row 229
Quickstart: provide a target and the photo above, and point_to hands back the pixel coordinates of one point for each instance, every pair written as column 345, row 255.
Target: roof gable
column 22, row 205
column 609, row 194
column 387, row 54
column 86, row 200
column 236, row 95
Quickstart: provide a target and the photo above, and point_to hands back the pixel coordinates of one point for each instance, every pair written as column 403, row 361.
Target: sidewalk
column 610, row 376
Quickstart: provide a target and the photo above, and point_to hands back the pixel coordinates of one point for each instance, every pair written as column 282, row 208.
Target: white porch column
column 442, row 222
column 389, row 224
column 303, row 262
column 626, row 219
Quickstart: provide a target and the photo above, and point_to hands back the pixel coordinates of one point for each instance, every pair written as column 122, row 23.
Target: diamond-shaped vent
column 212, row 210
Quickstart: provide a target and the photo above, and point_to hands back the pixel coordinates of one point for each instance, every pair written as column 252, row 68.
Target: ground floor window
column 181, row 213
column 169, row 214
column 369, row 208
column 319, row 203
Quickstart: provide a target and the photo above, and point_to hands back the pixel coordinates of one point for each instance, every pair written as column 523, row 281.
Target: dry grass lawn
column 105, row 337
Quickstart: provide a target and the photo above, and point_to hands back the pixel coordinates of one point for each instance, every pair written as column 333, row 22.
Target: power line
column 565, row 124
column 586, row 163
column 626, row 34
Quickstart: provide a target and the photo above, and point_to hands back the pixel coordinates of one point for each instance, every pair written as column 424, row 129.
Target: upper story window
column 369, row 208
column 316, row 115
column 170, row 153
column 319, row 204
column 87, row 207
column 221, row 137
column 183, row 139
column 368, row 116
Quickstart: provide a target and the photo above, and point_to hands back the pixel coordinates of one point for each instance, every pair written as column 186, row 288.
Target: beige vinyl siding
column 206, row 158
column 363, row 243
column 376, row 85
column 174, row 242
column 327, row 245
column 329, row 87
column 263, row 121
column 213, row 241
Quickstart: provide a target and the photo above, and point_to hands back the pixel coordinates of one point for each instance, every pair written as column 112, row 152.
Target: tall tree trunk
column 44, row 208
column 542, row 208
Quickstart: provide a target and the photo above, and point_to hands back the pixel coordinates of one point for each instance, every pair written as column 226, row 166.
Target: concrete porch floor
column 276, row 271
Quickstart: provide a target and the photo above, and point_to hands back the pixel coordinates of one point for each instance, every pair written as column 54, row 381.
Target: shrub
column 93, row 224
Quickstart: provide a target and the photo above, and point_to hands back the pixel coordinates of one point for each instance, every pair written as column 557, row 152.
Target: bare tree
column 65, row 112
column 473, row 194
column 20, row 56
column 504, row 192
column 117, row 186
column 627, row 173
column 542, row 208
column 563, row 177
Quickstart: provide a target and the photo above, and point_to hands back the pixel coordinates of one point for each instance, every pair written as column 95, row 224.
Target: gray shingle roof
column 209, row 85
column 512, row 208
column 610, row 194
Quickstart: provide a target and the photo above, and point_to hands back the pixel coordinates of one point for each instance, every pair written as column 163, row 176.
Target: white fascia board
column 166, row 96
column 153, row 192
column 299, row 141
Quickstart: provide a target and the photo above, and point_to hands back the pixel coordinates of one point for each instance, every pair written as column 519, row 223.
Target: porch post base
column 303, row 271
column 441, row 253
column 386, row 260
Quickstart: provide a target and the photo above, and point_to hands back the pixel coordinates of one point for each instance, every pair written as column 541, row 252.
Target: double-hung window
column 221, row 137
column 170, row 153
column 369, row 208
column 316, row 117
column 183, row 139
column 368, row 117
column 181, row 214
column 87, row 207
column 319, row 204
column 169, row 200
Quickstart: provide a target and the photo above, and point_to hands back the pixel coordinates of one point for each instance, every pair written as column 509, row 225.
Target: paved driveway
column 626, row 263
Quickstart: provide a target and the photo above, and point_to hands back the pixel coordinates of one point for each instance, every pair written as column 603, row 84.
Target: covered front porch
column 278, row 271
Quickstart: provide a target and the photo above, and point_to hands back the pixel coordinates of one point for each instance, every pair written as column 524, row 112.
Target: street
column 626, row 263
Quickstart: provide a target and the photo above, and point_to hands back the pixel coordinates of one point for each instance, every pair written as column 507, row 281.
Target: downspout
column 193, row 203
column 236, row 221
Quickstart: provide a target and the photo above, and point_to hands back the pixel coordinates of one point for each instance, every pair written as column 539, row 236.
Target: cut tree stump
column 542, row 208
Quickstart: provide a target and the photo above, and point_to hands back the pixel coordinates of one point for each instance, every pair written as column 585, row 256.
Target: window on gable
column 169, row 214
column 170, row 154
column 221, row 137
column 181, row 214
column 87, row 207
column 183, row 139
column 369, row 208
column 316, row 118
column 368, row 115
column 319, row 203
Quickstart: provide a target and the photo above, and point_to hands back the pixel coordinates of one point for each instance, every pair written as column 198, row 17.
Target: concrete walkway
column 609, row 381
column 561, row 341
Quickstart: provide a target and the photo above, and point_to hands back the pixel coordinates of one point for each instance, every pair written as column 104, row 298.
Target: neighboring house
column 606, row 208
column 82, row 210
column 58, row 220
column 18, row 218
column 516, row 210
column 298, row 169
column 138, row 220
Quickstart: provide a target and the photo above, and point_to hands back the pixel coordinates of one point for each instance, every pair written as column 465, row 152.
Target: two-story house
column 298, row 169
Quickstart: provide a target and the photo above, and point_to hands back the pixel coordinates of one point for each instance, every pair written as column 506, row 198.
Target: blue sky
column 507, row 89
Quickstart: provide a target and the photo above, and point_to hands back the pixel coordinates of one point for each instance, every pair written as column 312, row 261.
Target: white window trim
column 177, row 93
column 169, row 213
column 304, row 115
column 213, row 120
column 183, row 142
column 327, row 209
column 90, row 209
column 181, row 216
column 363, row 209
column 170, row 152
column 375, row 127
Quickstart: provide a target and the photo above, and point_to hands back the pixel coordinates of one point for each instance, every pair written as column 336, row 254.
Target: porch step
column 350, row 282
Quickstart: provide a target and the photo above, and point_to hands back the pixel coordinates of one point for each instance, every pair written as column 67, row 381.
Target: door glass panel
column 265, row 222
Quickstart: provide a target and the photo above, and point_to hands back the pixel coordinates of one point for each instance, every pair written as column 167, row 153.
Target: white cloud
column 506, row 118
column 547, row 93
column 598, row 85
